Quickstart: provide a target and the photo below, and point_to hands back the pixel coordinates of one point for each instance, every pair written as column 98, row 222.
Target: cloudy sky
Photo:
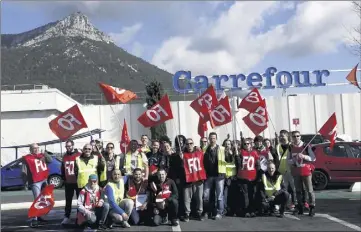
column 214, row 37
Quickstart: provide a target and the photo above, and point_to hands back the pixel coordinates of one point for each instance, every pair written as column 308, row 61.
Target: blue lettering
column 306, row 78
column 270, row 72
column 284, row 79
column 319, row 75
column 288, row 78
column 235, row 79
column 187, row 78
column 218, row 79
column 254, row 77
column 201, row 83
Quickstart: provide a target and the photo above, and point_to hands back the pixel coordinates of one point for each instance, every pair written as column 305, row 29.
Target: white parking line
column 176, row 228
column 291, row 216
column 342, row 222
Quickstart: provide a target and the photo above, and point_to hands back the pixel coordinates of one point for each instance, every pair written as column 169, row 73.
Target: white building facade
column 25, row 117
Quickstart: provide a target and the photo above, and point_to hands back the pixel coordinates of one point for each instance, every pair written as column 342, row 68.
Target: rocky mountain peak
column 75, row 25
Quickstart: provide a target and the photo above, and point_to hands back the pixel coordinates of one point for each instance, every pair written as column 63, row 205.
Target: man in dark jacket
column 156, row 160
column 69, row 177
column 272, row 191
column 165, row 199
column 215, row 179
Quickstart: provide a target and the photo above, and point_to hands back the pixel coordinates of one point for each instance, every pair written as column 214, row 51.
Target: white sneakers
column 125, row 224
column 66, row 221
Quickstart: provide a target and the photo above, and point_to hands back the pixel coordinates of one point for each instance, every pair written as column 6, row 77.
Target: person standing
column 203, row 143
column 230, row 153
column 282, row 165
column 156, row 160
column 215, row 167
column 69, row 177
column 135, row 158
column 35, row 174
column 144, row 144
column 86, row 164
column 247, row 165
column 301, row 159
column 112, row 162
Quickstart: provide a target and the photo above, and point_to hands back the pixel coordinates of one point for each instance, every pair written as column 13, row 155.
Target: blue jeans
column 36, row 189
column 209, row 200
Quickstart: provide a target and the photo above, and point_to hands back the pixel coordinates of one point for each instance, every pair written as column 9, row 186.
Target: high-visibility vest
column 283, row 166
column 222, row 164
column 128, row 162
column 231, row 169
column 104, row 176
column 85, row 170
column 118, row 191
column 270, row 188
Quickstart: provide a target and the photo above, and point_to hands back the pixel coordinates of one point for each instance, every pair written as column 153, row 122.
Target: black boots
column 312, row 211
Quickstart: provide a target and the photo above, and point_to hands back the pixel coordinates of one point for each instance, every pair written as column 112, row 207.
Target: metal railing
column 23, row 87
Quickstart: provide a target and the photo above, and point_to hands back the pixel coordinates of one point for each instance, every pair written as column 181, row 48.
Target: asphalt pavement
column 336, row 210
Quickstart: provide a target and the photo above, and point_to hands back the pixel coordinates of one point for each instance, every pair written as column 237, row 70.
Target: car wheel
column 56, row 181
column 319, row 180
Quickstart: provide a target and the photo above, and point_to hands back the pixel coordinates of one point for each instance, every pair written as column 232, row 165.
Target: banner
column 193, row 166
column 43, row 203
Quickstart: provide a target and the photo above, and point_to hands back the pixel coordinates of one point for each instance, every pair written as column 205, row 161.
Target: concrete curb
column 26, row 205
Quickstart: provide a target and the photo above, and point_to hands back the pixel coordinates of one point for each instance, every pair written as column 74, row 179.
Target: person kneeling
column 136, row 190
column 120, row 208
column 92, row 210
column 273, row 191
column 165, row 200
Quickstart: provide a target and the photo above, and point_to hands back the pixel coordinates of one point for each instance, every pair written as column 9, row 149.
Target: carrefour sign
column 270, row 79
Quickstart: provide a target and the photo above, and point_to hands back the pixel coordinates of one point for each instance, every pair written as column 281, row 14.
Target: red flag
column 202, row 127
column 221, row 114
column 193, row 166
column 158, row 114
column 258, row 119
column 328, row 130
column 205, row 102
column 43, row 203
column 251, row 101
column 351, row 77
column 125, row 140
column 116, row 95
column 68, row 123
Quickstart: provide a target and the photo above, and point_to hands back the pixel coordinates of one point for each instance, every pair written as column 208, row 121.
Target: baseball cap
column 93, row 177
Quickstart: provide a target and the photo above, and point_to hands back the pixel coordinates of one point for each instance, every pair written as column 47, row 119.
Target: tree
column 155, row 92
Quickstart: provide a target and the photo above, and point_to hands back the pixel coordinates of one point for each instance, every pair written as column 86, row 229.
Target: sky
column 214, row 38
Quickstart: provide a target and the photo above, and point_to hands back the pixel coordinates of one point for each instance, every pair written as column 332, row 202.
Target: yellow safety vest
column 103, row 175
column 270, row 188
column 85, row 170
column 118, row 192
column 283, row 167
column 222, row 164
column 128, row 162
column 204, row 148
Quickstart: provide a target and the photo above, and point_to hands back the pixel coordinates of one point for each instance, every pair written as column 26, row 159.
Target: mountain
column 73, row 56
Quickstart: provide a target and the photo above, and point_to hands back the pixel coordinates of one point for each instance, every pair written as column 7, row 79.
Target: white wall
column 20, row 126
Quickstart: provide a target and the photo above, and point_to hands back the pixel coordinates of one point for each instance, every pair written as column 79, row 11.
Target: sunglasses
column 204, row 141
column 87, row 149
column 68, row 146
column 110, row 147
column 247, row 144
column 296, row 136
column 189, row 143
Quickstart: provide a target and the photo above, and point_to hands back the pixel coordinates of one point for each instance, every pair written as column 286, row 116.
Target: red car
column 341, row 165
